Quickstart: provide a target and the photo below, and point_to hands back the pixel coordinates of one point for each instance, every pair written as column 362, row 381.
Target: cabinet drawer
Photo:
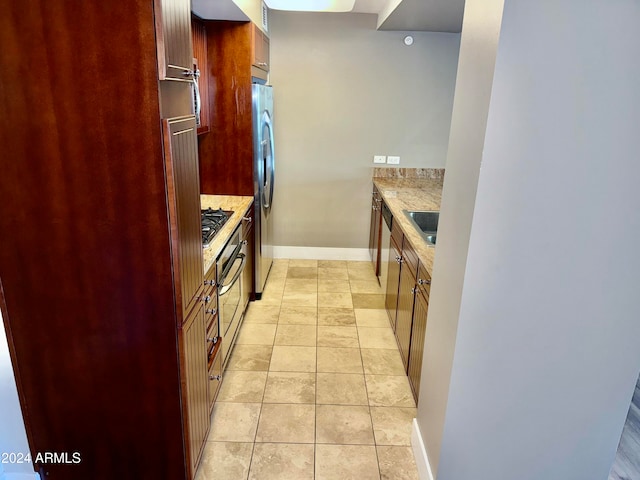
column 215, row 377
column 410, row 259
column 424, row 280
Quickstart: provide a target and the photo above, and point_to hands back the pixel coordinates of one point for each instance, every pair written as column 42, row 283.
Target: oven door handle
column 225, row 288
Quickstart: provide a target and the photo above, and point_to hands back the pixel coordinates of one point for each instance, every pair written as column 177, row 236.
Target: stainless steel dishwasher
column 385, row 243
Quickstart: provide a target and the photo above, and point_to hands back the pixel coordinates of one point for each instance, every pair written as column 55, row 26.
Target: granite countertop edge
column 411, row 194
column 240, row 206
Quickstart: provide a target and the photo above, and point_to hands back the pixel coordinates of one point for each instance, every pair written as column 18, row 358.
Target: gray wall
column 476, row 63
column 547, row 356
column 344, row 92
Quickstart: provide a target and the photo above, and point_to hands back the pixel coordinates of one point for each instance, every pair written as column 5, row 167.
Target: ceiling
column 417, row 15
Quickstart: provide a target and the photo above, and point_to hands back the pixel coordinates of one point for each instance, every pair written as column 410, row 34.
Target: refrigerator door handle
column 269, row 164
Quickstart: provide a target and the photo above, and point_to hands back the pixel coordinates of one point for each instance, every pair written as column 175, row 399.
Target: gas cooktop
column 212, row 222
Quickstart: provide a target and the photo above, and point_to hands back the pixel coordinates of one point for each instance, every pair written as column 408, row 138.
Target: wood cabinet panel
column 181, row 163
column 375, row 231
column 260, row 48
column 393, row 282
column 173, row 38
column 416, row 353
column 405, row 312
column 195, row 386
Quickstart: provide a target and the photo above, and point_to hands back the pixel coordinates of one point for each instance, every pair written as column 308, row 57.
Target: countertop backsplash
column 428, row 173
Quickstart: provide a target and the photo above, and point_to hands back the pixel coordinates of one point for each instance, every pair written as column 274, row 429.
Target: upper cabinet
column 201, row 64
column 259, row 48
column 173, row 39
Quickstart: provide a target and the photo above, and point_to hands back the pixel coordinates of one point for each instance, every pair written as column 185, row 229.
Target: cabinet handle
column 210, row 282
column 215, row 377
column 213, row 340
column 188, row 73
column 247, row 219
column 212, row 311
column 206, row 299
column 424, row 282
column 262, row 64
column 244, row 242
column 413, row 290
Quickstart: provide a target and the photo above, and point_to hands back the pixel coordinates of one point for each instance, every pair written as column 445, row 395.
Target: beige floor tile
column 397, row 463
column 371, row 337
column 380, row 361
column 300, row 299
column 287, row 423
column 333, row 274
column 282, row 461
column 344, row 424
column 250, row 357
column 369, row 317
column 225, row 461
column 262, row 313
column 366, row 286
column 362, row 265
column 300, row 335
column 342, row 462
column 295, row 315
column 300, row 262
column 335, row 299
column 336, row 317
column 339, row 360
column 367, row 300
column 290, row 387
column 277, row 275
column 301, row 285
column 361, row 275
column 337, row 337
column 332, row 285
column 256, row 334
column 392, row 426
column 389, row 391
column 332, row 264
column 288, row 358
column 270, row 297
column 341, row 389
column 234, row 422
column 239, row 386
column 275, row 284
column 302, row 272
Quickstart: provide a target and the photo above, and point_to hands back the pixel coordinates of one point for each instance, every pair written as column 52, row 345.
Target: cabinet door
column 375, row 232
column 404, row 314
column 201, row 59
column 416, row 351
column 183, row 189
column 195, row 384
column 259, row 48
column 393, row 281
column 173, row 38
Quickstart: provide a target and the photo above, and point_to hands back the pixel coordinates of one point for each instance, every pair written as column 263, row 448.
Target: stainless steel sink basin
column 425, row 222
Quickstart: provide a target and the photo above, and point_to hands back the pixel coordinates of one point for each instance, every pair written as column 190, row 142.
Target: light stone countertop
column 239, row 205
column 411, row 194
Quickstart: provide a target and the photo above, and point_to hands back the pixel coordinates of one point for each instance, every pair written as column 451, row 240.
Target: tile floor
column 315, row 387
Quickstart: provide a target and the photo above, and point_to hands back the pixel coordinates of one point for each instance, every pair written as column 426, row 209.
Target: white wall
column 476, row 62
column 13, row 437
column 344, row 92
column 547, row 351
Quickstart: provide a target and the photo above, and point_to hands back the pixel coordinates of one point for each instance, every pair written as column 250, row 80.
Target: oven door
column 230, row 299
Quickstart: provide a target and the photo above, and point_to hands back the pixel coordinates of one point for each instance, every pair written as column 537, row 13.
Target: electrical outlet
column 391, row 160
column 379, row 159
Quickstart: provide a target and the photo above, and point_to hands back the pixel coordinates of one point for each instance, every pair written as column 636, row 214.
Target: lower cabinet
column 418, row 329
column 404, row 313
column 194, row 384
column 393, row 281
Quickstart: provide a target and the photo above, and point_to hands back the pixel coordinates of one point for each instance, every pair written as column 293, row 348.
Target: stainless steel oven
column 231, row 264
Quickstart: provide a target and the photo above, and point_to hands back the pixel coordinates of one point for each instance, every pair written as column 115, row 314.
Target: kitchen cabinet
column 418, row 330
column 259, row 49
column 117, row 314
column 226, row 152
column 173, row 39
column 201, row 63
column 406, row 291
column 375, row 232
column 393, row 278
column 249, row 270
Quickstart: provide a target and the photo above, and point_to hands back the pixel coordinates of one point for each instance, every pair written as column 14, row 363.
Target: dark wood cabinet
column 418, row 330
column 393, row 282
column 375, row 231
column 260, row 49
column 226, row 152
column 102, row 302
column 249, row 270
column 406, row 291
column 173, row 39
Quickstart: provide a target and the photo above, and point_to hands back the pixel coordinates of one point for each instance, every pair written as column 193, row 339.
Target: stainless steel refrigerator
column 264, row 173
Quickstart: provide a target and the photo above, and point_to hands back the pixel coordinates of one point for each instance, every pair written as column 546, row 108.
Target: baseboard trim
column 420, row 453
column 321, row 253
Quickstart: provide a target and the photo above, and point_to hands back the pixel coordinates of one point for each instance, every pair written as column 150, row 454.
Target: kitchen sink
column 425, row 222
